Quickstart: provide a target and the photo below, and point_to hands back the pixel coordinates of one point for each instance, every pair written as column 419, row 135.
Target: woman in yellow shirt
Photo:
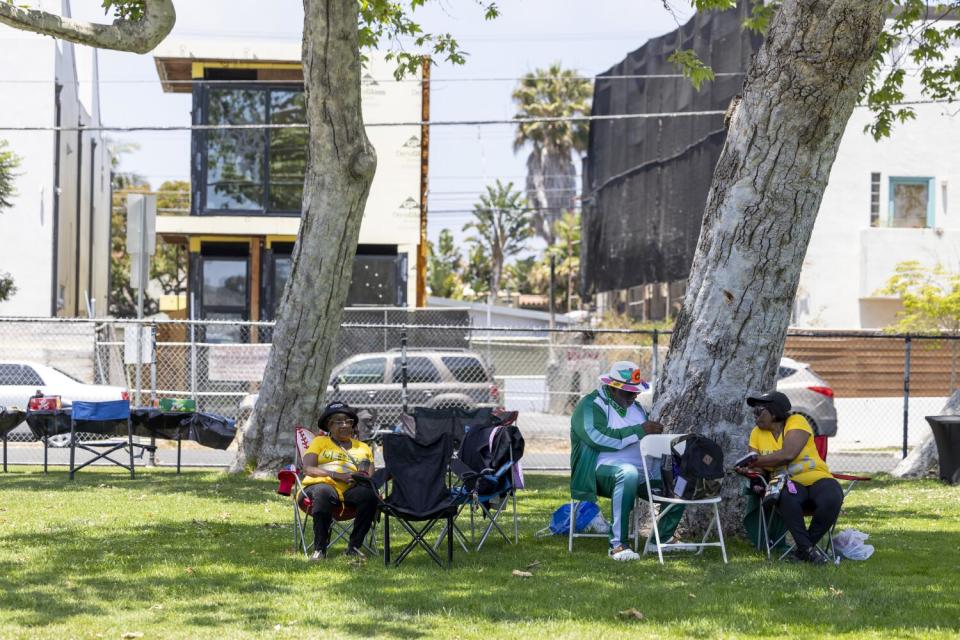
column 329, row 465
column 784, row 443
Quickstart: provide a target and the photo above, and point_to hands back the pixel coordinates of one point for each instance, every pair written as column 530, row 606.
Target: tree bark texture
column 136, row 36
column 766, row 191
column 339, row 173
column 551, row 188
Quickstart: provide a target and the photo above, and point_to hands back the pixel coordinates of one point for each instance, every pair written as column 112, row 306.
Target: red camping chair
column 291, row 485
column 820, row 442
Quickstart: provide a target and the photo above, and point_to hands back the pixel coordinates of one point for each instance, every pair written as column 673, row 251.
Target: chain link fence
column 869, row 391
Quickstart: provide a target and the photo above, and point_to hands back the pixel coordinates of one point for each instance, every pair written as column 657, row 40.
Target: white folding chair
column 652, row 448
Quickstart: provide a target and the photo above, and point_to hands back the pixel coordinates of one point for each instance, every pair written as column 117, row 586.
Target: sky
column 586, row 35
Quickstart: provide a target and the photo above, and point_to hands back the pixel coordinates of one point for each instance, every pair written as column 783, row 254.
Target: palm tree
column 566, row 251
column 502, row 226
column 551, row 174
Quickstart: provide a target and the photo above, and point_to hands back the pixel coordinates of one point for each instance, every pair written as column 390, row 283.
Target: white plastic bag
column 598, row 525
column 850, row 544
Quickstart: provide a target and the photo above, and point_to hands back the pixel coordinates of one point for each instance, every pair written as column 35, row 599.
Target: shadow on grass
column 208, row 573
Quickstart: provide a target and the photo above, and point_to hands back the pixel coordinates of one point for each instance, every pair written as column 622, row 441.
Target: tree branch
column 136, row 36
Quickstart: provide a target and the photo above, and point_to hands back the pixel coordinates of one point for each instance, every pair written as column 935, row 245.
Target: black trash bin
column 946, row 433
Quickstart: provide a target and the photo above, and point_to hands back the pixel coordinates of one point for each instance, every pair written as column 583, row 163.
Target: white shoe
column 623, row 554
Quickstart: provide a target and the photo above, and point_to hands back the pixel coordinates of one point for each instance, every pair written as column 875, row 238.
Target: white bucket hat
column 625, row 375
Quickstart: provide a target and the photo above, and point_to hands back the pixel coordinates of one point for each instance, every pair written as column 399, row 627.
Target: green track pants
column 622, row 483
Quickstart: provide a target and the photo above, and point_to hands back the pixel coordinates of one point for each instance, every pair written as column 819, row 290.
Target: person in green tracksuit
column 605, row 430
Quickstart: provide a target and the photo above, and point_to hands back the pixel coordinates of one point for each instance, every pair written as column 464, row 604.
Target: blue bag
column 560, row 520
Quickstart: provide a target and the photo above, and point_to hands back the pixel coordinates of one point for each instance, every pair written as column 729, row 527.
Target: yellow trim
column 197, row 68
column 271, row 239
column 195, row 241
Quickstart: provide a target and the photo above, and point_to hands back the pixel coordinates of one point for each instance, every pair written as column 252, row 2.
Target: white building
column 887, row 202
column 56, row 237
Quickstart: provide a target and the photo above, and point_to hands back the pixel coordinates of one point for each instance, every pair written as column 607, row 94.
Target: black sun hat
column 333, row 409
column 778, row 403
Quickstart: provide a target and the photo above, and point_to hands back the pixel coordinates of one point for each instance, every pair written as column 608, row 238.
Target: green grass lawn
column 207, row 555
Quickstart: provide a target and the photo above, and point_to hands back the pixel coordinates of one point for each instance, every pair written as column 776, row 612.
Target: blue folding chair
column 106, row 418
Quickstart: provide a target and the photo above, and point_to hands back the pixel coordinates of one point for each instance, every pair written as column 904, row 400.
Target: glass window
column 368, row 371
column 235, row 157
column 911, row 202
column 874, row 199
column 419, row 369
column 466, row 369
column 253, row 169
column 16, row 374
column 287, row 152
column 224, row 282
column 784, row 372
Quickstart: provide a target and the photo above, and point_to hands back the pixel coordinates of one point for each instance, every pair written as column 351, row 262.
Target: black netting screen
column 646, row 179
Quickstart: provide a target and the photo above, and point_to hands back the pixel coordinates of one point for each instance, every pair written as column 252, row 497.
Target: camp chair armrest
column 848, row 478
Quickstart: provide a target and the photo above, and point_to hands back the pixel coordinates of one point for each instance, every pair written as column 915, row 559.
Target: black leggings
column 824, row 497
column 325, row 503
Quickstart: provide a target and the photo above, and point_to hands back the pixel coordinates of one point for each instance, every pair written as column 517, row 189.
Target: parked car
column 810, row 395
column 20, row 380
column 435, row 378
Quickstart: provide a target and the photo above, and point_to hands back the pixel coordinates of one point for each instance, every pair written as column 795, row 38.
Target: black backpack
column 696, row 473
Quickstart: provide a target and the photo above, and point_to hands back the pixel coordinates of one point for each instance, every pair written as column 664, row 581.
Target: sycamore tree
column 337, row 181
column 9, row 162
column 817, row 59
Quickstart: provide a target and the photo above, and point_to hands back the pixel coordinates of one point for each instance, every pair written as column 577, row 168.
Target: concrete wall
column 847, row 260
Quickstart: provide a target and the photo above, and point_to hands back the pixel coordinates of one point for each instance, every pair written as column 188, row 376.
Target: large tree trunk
column 341, row 167
column 766, row 191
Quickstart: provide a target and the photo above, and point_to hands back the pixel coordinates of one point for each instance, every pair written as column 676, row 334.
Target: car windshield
column 64, row 373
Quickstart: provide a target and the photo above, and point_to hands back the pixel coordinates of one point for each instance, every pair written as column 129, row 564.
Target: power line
column 416, row 123
column 638, row 76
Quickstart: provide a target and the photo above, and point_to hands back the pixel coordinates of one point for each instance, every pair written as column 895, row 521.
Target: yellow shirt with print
column 333, row 457
column 808, row 466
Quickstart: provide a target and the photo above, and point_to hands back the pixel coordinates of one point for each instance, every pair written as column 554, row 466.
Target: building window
column 874, row 199
column 911, row 203
column 251, row 170
column 223, row 296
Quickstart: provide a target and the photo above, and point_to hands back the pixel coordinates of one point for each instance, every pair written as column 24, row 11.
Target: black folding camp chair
column 487, row 467
column 418, row 497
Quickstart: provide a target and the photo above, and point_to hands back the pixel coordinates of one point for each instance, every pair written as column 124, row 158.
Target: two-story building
column 247, row 184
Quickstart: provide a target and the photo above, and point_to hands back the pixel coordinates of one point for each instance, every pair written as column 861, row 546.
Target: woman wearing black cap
column 329, row 465
column 784, row 443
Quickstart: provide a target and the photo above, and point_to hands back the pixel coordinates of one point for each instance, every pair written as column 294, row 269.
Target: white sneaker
column 623, row 554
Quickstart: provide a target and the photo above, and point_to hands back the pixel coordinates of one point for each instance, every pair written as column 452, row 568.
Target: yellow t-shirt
column 808, row 466
column 333, row 457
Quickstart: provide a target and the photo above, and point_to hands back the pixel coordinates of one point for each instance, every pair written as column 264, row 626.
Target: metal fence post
column 906, row 394
column 404, row 399
column 193, row 351
column 153, row 389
